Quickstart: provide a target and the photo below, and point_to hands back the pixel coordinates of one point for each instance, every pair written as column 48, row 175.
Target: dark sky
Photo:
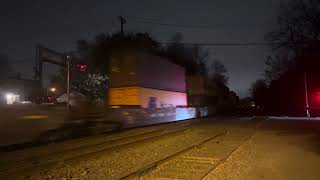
column 58, row 24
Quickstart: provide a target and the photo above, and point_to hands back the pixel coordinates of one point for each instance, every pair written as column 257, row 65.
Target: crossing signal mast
column 46, row 55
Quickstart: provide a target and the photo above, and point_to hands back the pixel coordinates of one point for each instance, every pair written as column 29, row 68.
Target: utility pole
column 122, row 22
column 306, row 94
column 36, row 66
column 38, row 69
column 68, row 82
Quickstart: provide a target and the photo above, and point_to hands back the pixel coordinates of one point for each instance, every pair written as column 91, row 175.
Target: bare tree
column 296, row 45
column 297, row 32
column 298, row 25
column 193, row 58
column 276, row 66
column 217, row 73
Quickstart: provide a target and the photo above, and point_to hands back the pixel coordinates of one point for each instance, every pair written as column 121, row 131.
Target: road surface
column 215, row 148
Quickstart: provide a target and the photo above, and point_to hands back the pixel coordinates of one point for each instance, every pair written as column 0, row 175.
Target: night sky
column 59, row 24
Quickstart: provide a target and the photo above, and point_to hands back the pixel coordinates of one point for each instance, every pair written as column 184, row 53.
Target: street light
column 50, row 91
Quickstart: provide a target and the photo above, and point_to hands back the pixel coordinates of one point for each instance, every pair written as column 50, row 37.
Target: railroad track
column 226, row 157
column 195, row 163
column 88, row 151
column 191, row 162
column 150, row 167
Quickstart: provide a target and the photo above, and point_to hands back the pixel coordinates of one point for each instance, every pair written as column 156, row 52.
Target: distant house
column 145, row 80
column 18, row 89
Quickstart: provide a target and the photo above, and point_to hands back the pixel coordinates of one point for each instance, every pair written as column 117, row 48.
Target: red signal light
column 82, row 67
column 316, row 97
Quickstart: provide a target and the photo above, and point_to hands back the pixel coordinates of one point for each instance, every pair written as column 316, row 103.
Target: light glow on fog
column 11, row 98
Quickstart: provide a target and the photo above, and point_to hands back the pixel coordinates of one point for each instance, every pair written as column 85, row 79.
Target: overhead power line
column 208, row 27
column 150, row 21
column 143, row 18
column 226, row 44
column 175, row 25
